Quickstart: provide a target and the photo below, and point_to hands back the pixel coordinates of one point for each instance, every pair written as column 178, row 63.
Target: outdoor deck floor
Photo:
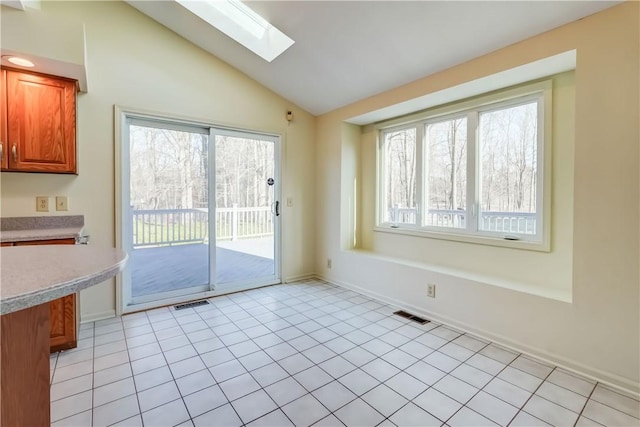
column 168, row 268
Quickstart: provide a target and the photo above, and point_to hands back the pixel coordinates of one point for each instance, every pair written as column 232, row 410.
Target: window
column 446, row 166
column 473, row 171
column 400, row 176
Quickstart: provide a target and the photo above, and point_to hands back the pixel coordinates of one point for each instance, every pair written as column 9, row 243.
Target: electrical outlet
column 431, row 290
column 329, row 263
column 289, row 202
column 62, row 203
column 42, row 204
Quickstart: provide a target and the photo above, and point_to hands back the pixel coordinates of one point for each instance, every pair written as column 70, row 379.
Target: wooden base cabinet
column 63, row 319
column 24, row 368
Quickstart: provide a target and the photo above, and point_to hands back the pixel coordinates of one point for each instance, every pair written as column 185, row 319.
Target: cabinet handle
column 14, row 153
column 1, row 150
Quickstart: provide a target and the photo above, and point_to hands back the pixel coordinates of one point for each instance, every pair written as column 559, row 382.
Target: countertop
column 43, row 234
column 33, row 275
column 22, row 229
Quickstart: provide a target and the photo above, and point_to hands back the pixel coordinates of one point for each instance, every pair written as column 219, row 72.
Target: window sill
column 563, row 295
column 543, row 246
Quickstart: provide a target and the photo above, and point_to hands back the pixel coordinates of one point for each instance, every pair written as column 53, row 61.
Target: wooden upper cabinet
column 41, row 123
column 4, row 153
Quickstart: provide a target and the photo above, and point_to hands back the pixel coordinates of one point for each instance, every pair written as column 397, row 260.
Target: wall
column 135, row 62
column 595, row 249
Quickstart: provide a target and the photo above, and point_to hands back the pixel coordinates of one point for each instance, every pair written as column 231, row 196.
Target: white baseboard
column 612, row 380
column 86, row 318
column 306, row 276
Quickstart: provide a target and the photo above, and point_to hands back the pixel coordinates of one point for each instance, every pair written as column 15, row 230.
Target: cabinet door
column 41, row 123
column 62, row 311
column 62, row 323
column 4, row 153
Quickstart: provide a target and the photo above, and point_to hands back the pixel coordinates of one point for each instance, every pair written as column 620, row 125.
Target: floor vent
column 191, row 304
column 411, row 317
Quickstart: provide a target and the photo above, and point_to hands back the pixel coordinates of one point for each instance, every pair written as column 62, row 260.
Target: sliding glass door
column 199, row 211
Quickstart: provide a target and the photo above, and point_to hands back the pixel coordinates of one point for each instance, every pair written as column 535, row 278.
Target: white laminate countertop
column 33, row 275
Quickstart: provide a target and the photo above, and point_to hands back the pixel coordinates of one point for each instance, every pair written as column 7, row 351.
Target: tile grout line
column 464, row 405
column 534, row 394
column 217, row 382
column 175, row 318
column 199, row 357
column 291, row 375
column 403, row 370
column 308, row 392
column 441, row 346
column 290, row 307
column 380, row 357
column 133, row 379
column 244, row 367
column 93, row 361
column 356, row 345
column 297, row 351
column 585, row 404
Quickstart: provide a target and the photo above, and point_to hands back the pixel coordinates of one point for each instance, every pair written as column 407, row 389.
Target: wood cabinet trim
column 4, row 152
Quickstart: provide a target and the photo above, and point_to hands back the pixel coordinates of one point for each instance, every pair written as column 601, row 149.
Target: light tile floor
column 311, row 353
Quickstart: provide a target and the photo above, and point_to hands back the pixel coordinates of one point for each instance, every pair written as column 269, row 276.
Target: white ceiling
column 345, row 51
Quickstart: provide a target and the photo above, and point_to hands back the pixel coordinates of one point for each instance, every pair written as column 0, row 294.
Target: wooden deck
column 162, row 269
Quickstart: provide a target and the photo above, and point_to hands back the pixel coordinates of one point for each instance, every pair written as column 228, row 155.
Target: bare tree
column 400, row 168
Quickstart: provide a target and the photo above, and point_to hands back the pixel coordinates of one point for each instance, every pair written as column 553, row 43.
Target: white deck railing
column 507, row 222
column 235, row 223
column 159, row 227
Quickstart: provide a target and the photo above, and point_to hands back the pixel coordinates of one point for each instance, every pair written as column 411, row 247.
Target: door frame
column 123, row 226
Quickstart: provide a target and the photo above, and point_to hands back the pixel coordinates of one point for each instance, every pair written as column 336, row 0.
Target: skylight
column 242, row 24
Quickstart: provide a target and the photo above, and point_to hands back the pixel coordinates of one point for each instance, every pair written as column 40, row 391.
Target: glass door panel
column 169, row 247
column 246, row 209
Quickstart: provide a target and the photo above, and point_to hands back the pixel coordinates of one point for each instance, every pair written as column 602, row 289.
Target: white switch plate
column 62, row 203
column 289, row 202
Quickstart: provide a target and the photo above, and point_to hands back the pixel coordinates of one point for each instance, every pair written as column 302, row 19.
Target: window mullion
column 420, row 165
column 381, row 179
column 473, row 171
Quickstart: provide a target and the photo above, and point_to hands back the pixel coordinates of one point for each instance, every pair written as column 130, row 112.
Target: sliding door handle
column 277, row 208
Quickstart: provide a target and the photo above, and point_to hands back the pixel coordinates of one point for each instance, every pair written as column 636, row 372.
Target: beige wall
column 491, row 291
column 135, row 62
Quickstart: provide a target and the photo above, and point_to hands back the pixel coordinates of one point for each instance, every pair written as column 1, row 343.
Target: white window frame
column 540, row 91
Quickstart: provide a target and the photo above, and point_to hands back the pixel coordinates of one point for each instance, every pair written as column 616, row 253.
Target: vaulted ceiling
column 345, row 51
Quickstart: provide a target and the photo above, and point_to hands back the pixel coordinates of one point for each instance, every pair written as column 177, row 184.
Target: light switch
column 42, row 204
column 289, row 202
column 62, row 203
